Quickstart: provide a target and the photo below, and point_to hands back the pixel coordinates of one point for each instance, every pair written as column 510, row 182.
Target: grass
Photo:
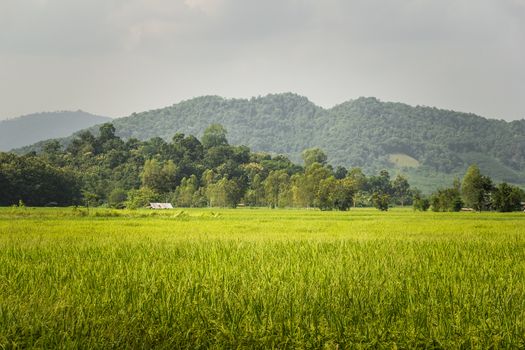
column 257, row 278
column 403, row 160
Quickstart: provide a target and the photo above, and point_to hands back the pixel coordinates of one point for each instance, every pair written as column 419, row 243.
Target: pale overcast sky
column 115, row 57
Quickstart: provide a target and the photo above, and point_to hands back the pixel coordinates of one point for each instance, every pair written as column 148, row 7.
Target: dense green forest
column 430, row 145
column 188, row 172
column 32, row 128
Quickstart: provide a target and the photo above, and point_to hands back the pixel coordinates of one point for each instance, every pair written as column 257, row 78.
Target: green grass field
column 257, row 278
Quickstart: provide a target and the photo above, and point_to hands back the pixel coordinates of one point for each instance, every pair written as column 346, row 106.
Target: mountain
column 430, row 145
column 32, row 128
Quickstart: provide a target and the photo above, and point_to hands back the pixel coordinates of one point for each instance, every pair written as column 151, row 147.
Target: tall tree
column 475, row 189
column 448, row 199
column 340, row 172
column 160, row 177
column 185, row 193
column 214, row 136
column 35, row 182
column 313, row 155
column 507, row 198
column 313, row 176
column 401, row 189
column 107, row 132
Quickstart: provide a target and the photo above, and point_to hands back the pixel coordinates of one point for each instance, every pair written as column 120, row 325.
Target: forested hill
column 32, row 128
column 429, row 144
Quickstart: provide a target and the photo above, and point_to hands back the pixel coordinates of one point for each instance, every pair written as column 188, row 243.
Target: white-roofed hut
column 160, row 206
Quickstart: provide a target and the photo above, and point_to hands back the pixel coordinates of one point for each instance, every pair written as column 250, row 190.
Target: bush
column 421, row 204
column 141, row 198
column 448, row 199
column 507, row 198
column 381, row 201
column 117, row 198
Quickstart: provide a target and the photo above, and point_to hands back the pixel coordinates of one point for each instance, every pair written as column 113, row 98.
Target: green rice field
column 260, row 278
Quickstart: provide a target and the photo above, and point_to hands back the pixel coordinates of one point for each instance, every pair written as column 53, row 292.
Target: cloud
column 209, row 7
column 452, row 53
column 75, row 26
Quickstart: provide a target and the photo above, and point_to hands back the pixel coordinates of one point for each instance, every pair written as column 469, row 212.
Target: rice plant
column 261, row 279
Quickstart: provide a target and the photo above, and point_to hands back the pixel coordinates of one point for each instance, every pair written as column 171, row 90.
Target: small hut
column 160, row 206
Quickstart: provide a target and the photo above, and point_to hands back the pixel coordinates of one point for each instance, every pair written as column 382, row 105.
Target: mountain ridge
column 363, row 132
column 31, row 128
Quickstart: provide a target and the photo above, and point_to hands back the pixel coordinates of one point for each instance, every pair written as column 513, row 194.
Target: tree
column 185, row 193
column 152, row 174
column 311, row 181
column 141, row 198
column 300, row 194
column 272, row 186
column 476, row 188
column 214, row 136
column 359, row 184
column 224, row 193
column 381, row 189
column 380, row 183
column 448, row 199
column 335, row 194
column 85, row 143
column 381, row 200
column 217, row 155
column 324, row 199
column 117, row 198
column 107, row 133
column 340, row 172
column 285, row 191
column 155, row 148
column 507, row 198
column 90, row 199
column 401, row 189
column 161, row 178
column 343, row 196
column 280, row 162
column 419, row 202
column 255, row 192
column 36, row 182
column 51, row 151
column 313, row 155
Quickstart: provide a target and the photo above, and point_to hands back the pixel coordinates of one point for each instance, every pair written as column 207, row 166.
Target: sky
column 116, row 57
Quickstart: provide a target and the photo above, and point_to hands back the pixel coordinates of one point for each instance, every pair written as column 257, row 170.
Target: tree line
column 105, row 170
column 364, row 132
column 475, row 192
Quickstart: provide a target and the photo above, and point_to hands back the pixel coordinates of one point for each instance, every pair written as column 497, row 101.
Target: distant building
column 160, row 206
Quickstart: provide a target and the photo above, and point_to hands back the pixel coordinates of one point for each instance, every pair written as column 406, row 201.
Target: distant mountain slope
column 32, row 128
column 429, row 144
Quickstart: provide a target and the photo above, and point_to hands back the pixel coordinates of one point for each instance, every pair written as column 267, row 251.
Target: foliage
column 381, row 200
column 476, row 189
column 419, row 202
column 224, row 193
column 188, row 173
column 313, row 155
column 214, row 136
column 401, row 189
column 188, row 194
column 508, row 198
column 35, row 182
column 448, row 199
column 117, row 198
column 140, row 198
column 160, row 177
column 361, row 133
